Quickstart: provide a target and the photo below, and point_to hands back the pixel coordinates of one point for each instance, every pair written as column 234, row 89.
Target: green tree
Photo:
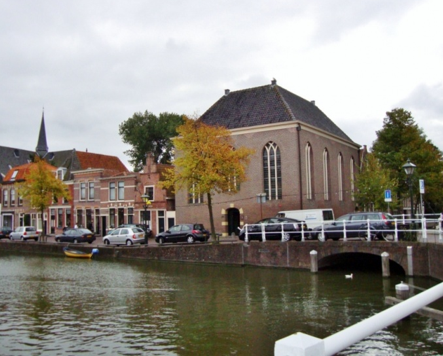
column 146, row 132
column 41, row 188
column 371, row 183
column 206, row 163
column 401, row 139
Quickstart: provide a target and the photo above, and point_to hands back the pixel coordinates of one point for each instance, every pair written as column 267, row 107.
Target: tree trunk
column 42, row 235
column 211, row 218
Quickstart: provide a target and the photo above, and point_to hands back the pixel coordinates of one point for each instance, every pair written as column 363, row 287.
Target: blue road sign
column 388, row 196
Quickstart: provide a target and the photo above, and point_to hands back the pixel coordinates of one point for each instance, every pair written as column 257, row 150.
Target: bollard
column 385, row 264
column 314, row 261
column 402, row 291
column 410, row 261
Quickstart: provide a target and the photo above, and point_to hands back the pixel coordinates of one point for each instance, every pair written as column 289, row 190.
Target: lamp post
column 409, row 170
column 146, row 203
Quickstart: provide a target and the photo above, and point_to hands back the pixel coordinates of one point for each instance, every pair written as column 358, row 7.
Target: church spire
column 42, row 146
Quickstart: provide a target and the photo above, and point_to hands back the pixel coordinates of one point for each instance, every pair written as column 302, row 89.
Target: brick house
column 302, row 159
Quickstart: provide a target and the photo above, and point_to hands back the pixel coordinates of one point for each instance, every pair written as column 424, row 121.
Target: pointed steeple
column 42, row 146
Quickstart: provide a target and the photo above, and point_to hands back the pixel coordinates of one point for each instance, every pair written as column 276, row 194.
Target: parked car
column 183, row 233
column 125, row 236
column 4, row 232
column 144, row 227
column 275, row 228
column 76, row 236
column 381, row 226
column 24, row 233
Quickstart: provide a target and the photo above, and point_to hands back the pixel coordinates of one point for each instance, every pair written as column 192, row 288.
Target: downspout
column 299, row 167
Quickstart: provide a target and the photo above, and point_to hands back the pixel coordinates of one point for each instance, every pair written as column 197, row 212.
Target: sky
column 92, row 64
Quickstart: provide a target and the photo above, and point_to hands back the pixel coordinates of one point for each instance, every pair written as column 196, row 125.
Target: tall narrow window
column 308, row 159
column 91, row 191
column 82, row 191
column 351, row 171
column 194, row 195
column 12, row 197
column 325, row 175
column 5, row 197
column 112, row 191
column 149, row 191
column 121, row 190
column 340, row 176
column 272, row 182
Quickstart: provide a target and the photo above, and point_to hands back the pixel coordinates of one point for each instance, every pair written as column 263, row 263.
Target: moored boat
column 79, row 254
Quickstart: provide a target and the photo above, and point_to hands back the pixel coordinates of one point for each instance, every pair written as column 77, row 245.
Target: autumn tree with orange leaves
column 206, row 162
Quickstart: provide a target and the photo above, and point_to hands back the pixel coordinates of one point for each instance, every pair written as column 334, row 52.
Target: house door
column 233, row 221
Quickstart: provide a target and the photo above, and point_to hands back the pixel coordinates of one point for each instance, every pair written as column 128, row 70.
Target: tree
column 401, row 139
column 41, row 187
column 207, row 162
column 146, row 132
column 371, row 184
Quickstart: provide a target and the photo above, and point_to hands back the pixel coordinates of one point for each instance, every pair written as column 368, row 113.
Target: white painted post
column 314, row 261
column 246, row 233
column 299, row 345
column 440, row 232
column 424, row 235
column 302, row 232
column 263, row 234
column 410, row 261
column 369, row 229
column 344, row 231
column 386, row 272
column 396, row 230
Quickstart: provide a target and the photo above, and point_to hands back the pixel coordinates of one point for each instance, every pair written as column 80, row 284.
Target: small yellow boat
column 79, row 254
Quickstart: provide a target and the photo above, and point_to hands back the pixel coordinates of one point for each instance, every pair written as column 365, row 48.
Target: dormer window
column 16, row 153
column 61, row 172
column 14, row 174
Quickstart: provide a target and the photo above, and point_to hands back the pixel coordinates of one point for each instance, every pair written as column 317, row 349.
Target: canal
column 62, row 306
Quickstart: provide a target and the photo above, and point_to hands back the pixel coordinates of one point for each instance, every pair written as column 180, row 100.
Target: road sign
column 388, row 196
column 422, row 186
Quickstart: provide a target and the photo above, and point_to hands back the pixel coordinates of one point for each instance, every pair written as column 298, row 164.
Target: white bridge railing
column 300, row 344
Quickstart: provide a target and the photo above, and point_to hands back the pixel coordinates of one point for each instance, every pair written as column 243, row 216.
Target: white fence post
column 263, row 233
column 368, row 222
column 344, row 231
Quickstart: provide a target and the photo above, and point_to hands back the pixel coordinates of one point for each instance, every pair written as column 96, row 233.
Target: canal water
column 62, row 306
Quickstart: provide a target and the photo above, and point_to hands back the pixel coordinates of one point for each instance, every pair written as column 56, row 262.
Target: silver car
column 125, row 236
column 24, row 233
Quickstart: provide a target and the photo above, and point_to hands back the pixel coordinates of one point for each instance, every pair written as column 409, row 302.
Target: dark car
column 76, row 236
column 183, row 233
column 381, row 226
column 5, row 232
column 145, row 228
column 275, row 229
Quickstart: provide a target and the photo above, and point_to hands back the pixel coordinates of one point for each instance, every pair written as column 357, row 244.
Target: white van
column 312, row 217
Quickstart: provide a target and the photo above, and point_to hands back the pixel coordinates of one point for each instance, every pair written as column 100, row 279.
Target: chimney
column 273, row 81
column 313, row 102
column 227, row 92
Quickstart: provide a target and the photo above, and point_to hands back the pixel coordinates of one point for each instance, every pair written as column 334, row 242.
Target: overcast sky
column 93, row 64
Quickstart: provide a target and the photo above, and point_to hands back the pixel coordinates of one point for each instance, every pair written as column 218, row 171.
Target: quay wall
column 427, row 257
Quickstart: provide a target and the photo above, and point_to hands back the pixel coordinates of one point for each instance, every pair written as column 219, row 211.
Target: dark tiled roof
column 11, row 157
column 264, row 105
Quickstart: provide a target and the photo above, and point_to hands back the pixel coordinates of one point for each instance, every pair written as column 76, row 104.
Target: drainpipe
column 299, row 167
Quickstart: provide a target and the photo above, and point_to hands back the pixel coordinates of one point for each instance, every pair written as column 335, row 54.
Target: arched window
column 272, row 171
column 325, row 174
column 351, row 171
column 308, row 160
column 340, row 176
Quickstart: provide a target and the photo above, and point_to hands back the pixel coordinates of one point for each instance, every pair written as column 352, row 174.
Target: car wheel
column 161, row 241
column 106, row 242
column 190, row 239
column 57, row 240
column 286, row 236
column 75, row 241
column 387, row 236
column 21, row 238
column 128, row 243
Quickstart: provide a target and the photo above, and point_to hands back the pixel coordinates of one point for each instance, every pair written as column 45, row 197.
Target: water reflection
column 59, row 306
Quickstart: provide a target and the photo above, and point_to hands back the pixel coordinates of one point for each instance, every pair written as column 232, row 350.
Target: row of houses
column 302, row 160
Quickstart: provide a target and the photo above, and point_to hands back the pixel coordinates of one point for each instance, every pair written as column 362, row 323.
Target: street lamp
column 409, row 170
column 146, row 203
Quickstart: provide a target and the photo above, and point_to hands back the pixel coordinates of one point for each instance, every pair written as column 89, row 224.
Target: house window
column 68, row 217
column 82, row 191
column 12, row 197
column 130, row 215
column 272, row 180
column 5, row 197
column 61, row 173
column 112, row 191
column 112, row 217
column 59, row 218
column 121, row 190
column 14, row 174
column 91, row 191
column 325, row 175
column 20, row 201
column 351, row 169
column 194, row 195
column 340, row 177
column 149, row 191
column 308, row 159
